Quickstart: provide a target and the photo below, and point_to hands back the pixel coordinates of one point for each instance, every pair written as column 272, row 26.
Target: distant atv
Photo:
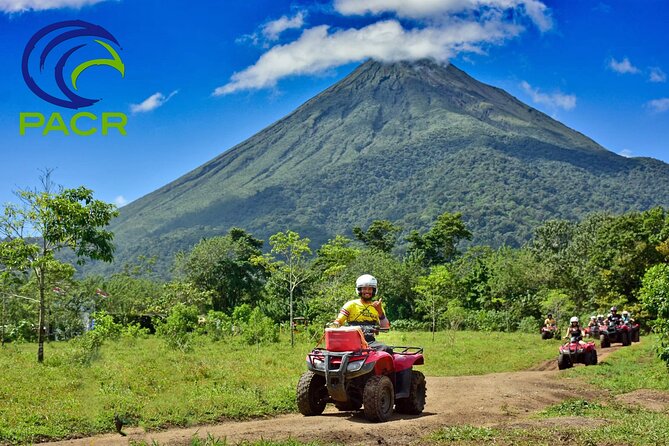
column 592, row 332
column 573, row 352
column 351, row 375
column 615, row 332
column 635, row 328
column 548, row 331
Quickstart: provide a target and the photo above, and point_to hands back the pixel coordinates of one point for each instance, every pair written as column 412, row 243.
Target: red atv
column 615, row 332
column 573, row 352
column 351, row 375
column 548, row 331
column 635, row 328
column 592, row 332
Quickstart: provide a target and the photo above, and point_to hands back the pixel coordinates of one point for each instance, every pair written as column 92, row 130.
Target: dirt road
column 486, row 400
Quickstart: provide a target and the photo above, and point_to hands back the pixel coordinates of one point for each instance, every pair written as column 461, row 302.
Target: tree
column 654, row 296
column 439, row 244
column 435, row 291
column 46, row 222
column 223, row 266
column 381, row 235
column 292, row 268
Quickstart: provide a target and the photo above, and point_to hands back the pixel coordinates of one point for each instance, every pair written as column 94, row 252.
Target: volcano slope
column 405, row 142
column 494, row 400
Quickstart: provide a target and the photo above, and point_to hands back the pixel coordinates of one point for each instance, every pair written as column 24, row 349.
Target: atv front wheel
column 312, row 395
column 415, row 403
column 546, row 335
column 635, row 336
column 564, row 362
column 604, row 341
column 626, row 338
column 378, row 398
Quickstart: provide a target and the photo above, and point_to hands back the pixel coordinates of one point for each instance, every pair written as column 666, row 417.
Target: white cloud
column 623, row 67
column 658, row 105
column 152, row 102
column 120, row 201
column 42, row 5
column 319, row 49
column 657, row 75
column 272, row 30
column 626, row 153
column 426, row 9
column 553, row 100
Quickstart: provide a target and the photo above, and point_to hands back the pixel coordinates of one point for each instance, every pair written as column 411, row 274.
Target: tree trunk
column 292, row 332
column 40, row 327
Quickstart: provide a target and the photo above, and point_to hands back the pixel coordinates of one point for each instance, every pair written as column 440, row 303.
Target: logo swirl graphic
column 81, row 29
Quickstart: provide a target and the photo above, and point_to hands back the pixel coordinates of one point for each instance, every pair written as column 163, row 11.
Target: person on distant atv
column 364, row 311
column 600, row 319
column 549, row 322
column 574, row 330
column 593, row 322
column 614, row 317
column 626, row 317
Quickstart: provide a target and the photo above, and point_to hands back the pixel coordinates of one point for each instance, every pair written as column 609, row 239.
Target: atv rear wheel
column 415, row 403
column 604, row 341
column 590, row 358
column 564, row 362
column 312, row 395
column 378, row 398
column 626, row 338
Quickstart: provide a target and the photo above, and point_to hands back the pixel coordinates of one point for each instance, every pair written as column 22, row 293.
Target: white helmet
column 573, row 319
column 366, row 280
column 592, row 318
column 626, row 313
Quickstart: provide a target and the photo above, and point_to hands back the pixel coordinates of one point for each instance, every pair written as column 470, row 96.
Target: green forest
column 237, row 285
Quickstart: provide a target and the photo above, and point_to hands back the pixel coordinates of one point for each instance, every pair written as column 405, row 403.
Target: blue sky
column 202, row 76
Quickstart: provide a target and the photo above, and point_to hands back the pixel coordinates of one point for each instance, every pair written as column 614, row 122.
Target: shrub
column 259, row 329
column 104, row 326
column 218, row 325
column 529, row 324
column 410, row 325
column 178, row 327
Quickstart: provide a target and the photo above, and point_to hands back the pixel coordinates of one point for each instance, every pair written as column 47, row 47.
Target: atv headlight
column 318, row 364
column 354, row 366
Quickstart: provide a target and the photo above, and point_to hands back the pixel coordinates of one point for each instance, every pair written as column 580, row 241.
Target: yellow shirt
column 354, row 311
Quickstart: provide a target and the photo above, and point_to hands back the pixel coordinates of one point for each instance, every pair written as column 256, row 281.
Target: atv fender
column 384, row 365
column 403, row 362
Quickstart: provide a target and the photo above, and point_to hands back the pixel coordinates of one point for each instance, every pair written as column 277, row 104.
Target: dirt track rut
column 485, row 400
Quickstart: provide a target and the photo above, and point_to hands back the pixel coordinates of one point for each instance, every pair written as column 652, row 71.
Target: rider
column 363, row 311
column 614, row 317
column 600, row 319
column 626, row 317
column 574, row 330
column 593, row 324
column 550, row 322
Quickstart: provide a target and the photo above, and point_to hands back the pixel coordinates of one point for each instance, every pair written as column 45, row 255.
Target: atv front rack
column 335, row 378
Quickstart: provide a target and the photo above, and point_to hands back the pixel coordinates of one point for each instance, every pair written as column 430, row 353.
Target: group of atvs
column 623, row 330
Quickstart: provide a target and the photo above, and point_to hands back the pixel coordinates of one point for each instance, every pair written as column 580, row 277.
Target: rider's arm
column 383, row 320
column 344, row 314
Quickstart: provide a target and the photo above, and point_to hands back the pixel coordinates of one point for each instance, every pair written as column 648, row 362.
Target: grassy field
column 608, row 421
column 155, row 387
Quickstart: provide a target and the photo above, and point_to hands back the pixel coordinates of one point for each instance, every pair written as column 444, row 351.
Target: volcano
column 402, row 141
